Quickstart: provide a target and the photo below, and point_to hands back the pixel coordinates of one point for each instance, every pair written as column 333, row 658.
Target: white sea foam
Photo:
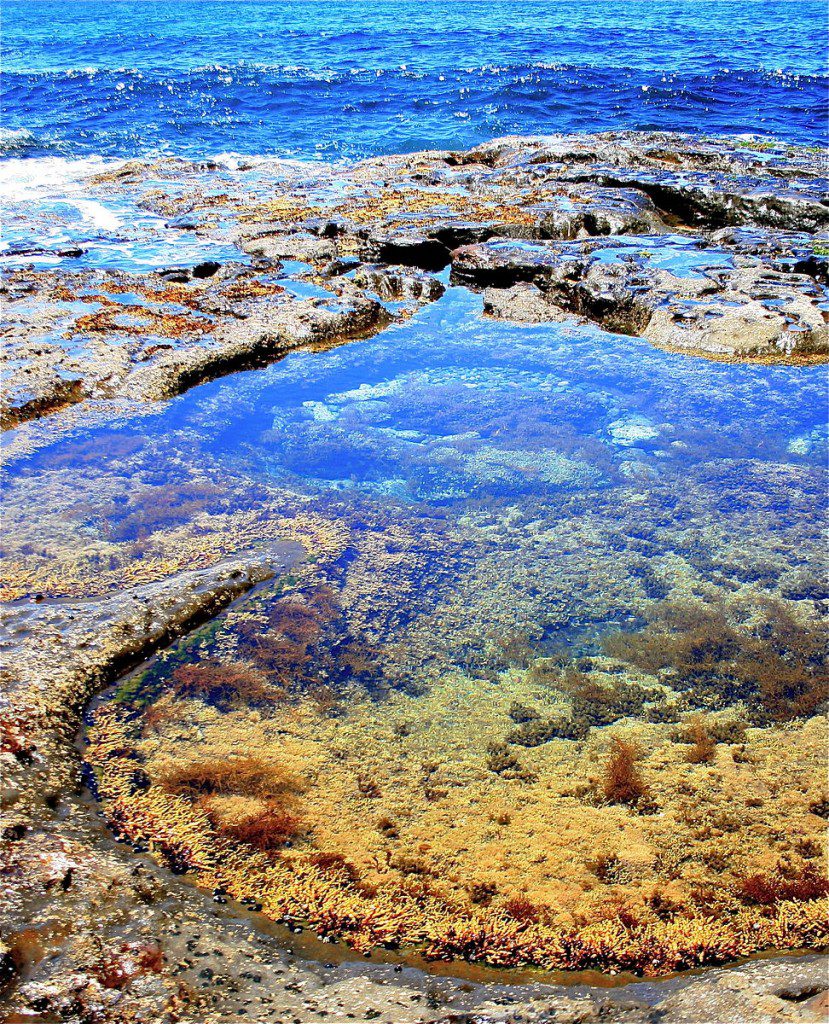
column 24, row 179
column 15, row 138
column 97, row 215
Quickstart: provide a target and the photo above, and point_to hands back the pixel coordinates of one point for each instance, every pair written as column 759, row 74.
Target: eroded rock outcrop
column 727, row 307
column 143, row 337
column 540, row 210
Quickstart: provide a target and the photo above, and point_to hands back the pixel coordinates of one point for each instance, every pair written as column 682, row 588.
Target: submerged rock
column 521, row 303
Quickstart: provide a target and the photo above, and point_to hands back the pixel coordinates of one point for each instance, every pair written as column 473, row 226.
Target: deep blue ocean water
column 353, row 78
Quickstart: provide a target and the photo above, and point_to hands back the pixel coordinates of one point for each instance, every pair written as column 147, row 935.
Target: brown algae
column 387, row 820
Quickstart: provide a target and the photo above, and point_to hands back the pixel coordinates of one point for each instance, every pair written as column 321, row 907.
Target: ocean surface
column 315, row 80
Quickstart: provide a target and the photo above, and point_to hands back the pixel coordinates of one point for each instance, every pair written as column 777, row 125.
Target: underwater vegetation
column 252, row 859
column 222, row 684
column 545, row 689
column 155, row 508
column 757, row 653
column 269, row 824
column 302, row 643
column 703, row 743
column 243, row 776
column 623, row 821
column 622, row 782
column 282, row 645
column 767, row 890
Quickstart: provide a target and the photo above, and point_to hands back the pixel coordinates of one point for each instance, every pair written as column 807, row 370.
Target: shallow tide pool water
column 544, row 686
column 549, row 664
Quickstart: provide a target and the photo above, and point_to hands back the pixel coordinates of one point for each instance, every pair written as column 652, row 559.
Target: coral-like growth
column 591, row 704
column 387, row 827
column 482, row 893
column 368, row 787
column 408, row 908
column 536, row 731
column 335, row 865
column 154, row 718
column 520, row 908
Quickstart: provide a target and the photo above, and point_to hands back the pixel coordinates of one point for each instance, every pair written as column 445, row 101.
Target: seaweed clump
column 302, row 644
column 271, row 826
column 593, row 704
column 267, row 830
column 622, row 781
column 237, row 776
column 541, row 730
column 503, row 762
column 703, row 745
column 758, row 653
column 765, row 890
column 162, row 507
column 319, row 886
column 222, row 684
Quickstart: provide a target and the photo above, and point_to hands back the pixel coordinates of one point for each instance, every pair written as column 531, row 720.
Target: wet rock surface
column 754, row 214
column 144, row 337
column 719, row 310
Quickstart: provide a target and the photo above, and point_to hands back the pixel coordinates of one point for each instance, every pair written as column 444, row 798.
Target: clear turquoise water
column 647, row 473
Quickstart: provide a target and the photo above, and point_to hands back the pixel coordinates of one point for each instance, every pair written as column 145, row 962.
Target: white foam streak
column 24, row 179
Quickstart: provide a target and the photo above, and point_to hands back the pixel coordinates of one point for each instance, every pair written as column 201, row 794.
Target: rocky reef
column 484, row 619
column 723, row 252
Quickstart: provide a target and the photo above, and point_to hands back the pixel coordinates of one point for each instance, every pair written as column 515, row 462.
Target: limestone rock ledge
column 708, row 246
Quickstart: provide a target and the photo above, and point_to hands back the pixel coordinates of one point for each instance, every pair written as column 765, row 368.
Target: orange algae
column 138, row 321
column 420, row 206
column 402, row 890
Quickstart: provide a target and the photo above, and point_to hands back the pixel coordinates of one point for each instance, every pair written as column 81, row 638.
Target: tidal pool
column 546, row 688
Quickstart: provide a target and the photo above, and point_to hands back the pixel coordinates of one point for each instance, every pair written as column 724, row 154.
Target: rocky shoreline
column 703, row 247
column 724, row 254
